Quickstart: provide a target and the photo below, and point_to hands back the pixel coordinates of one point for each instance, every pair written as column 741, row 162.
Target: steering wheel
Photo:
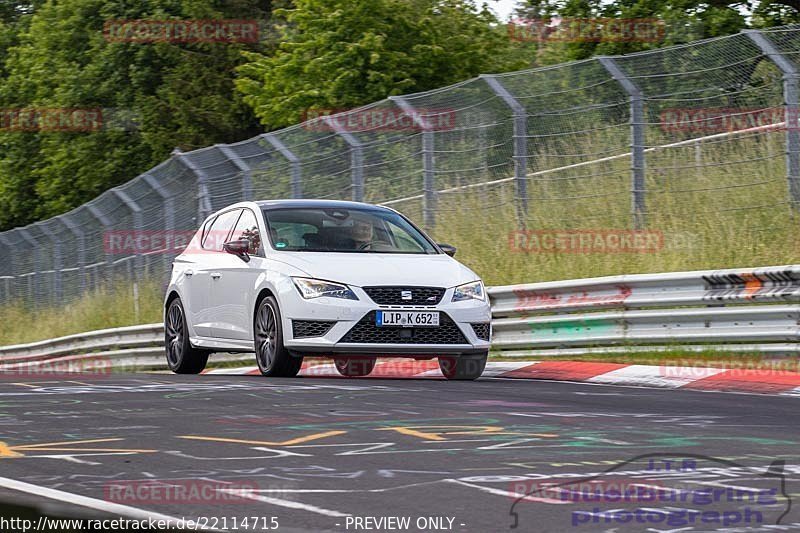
column 370, row 243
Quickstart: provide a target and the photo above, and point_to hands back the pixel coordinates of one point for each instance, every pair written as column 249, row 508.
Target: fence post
column 75, row 229
column 790, row 102
column 356, row 158
column 203, row 201
column 244, row 168
column 136, row 211
column 106, row 223
column 520, row 144
column 428, row 162
column 167, row 214
column 297, row 175
column 637, row 138
column 57, row 263
column 33, row 279
column 10, row 258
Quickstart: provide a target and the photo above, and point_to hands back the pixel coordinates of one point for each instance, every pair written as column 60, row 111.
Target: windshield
column 344, row 230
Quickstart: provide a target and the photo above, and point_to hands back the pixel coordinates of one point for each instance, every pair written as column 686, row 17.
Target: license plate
column 407, row 318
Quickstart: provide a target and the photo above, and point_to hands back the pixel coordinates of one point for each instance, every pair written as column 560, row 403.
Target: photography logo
column 653, row 492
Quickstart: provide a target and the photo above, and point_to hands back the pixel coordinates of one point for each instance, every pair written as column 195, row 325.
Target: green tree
column 338, row 54
column 177, row 94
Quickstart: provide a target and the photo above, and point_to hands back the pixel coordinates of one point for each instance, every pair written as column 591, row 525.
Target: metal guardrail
column 702, row 309
column 754, row 310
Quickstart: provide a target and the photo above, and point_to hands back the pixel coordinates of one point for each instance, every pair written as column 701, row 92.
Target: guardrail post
column 520, row 144
column 637, row 138
column 356, row 157
column 790, row 102
column 428, row 162
column 203, row 201
column 37, row 260
column 57, row 263
column 76, row 230
column 297, row 173
column 244, row 168
column 106, row 223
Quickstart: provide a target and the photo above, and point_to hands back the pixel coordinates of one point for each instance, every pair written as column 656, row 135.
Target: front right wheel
column 272, row 357
column 465, row 367
column 182, row 357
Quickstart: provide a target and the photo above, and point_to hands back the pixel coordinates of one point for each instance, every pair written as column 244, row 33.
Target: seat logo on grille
column 406, row 295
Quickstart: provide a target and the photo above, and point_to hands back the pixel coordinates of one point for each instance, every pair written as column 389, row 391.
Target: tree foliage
column 154, row 97
column 338, row 54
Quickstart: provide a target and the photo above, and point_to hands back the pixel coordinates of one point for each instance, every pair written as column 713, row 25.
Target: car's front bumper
column 348, row 313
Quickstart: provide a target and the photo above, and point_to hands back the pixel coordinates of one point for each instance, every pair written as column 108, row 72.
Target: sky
column 503, row 8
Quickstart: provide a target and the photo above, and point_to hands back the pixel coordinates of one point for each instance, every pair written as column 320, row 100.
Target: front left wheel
column 272, row 357
column 182, row 357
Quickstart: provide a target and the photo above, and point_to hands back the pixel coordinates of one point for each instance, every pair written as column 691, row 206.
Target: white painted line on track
column 285, row 503
column 509, row 494
column 90, row 503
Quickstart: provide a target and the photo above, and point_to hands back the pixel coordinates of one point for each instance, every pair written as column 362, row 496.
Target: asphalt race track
column 335, row 454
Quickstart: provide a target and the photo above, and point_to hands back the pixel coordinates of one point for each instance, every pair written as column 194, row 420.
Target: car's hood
column 365, row 269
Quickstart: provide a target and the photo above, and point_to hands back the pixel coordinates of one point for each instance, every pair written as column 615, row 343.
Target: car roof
column 326, row 204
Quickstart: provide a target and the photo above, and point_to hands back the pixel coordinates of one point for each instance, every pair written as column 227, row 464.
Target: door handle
column 216, row 275
column 188, row 272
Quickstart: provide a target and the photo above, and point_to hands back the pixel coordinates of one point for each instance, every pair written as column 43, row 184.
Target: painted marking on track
column 89, row 503
column 6, row 451
column 436, row 433
column 64, row 446
column 290, row 442
column 509, row 494
column 37, row 384
column 287, row 503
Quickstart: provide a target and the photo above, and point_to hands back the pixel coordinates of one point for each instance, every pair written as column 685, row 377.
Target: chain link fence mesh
column 678, row 140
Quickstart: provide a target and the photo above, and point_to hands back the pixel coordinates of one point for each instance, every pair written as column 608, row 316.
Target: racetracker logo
column 68, row 367
column 586, row 241
column 582, row 30
column 379, row 119
column 726, row 119
column 51, row 119
column 181, row 31
column 181, row 491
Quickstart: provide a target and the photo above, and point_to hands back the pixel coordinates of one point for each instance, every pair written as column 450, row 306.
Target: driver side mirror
column 448, row 249
column 238, row 248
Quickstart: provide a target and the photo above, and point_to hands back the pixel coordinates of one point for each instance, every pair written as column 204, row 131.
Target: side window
column 291, row 236
column 247, row 228
column 217, row 234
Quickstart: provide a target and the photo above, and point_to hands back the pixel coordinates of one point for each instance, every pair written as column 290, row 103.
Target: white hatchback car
column 345, row 280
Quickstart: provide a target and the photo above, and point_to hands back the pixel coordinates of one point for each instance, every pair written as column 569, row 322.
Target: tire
column 354, row 367
column 272, row 357
column 182, row 357
column 465, row 367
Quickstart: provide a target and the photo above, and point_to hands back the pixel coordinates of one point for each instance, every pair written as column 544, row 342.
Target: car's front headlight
column 469, row 291
column 315, row 288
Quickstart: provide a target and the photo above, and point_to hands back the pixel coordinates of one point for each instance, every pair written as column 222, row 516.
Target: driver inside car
column 362, row 234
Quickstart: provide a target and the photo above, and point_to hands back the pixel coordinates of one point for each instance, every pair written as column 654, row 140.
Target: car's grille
column 394, row 295
column 365, row 331
column 481, row 330
column 310, row 328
